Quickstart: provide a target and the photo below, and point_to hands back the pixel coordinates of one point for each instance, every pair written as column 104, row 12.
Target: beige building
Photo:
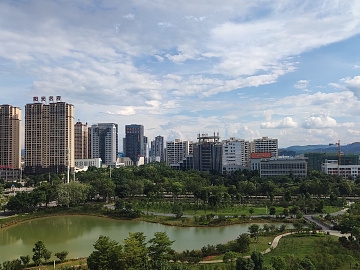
column 10, row 137
column 81, row 141
column 49, row 136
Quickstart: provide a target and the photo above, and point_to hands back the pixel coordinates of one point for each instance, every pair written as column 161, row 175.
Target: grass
column 236, row 210
column 300, row 245
column 80, row 262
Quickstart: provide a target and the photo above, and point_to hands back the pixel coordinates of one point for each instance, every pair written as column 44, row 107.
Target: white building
column 265, row 145
column 333, row 167
column 89, row 162
column 176, row 150
column 270, row 167
column 157, row 150
column 235, row 155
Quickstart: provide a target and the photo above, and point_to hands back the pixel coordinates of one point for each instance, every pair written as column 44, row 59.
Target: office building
column 104, row 142
column 10, row 141
column 272, row 167
column 176, row 150
column 264, row 145
column 49, row 136
column 135, row 142
column 81, row 141
column 157, row 149
column 207, row 153
column 235, row 155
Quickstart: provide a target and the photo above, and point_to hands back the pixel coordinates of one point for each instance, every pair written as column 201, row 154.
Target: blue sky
column 247, row 69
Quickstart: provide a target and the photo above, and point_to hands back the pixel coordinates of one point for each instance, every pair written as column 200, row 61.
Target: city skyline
column 245, row 69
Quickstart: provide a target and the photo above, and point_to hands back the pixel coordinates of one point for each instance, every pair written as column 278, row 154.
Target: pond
column 77, row 234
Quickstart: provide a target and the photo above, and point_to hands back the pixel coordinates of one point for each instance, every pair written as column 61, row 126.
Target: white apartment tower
column 49, row 136
column 104, row 142
column 176, row 150
column 265, row 145
column 235, row 155
column 10, row 137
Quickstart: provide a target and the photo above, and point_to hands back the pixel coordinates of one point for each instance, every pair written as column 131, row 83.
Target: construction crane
column 338, row 151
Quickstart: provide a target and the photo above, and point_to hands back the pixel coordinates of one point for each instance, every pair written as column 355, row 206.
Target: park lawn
column 331, row 209
column 299, row 245
column 261, row 245
column 227, row 211
column 79, row 262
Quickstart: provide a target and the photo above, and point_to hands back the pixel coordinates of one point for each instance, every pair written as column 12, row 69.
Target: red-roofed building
column 260, row 155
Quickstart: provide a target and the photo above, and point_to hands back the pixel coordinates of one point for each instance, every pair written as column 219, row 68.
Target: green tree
column 47, row 255
column 244, row 264
column 40, row 252
column 61, row 255
column 12, row 265
column 251, row 211
column 272, row 210
column 258, row 260
column 307, row 264
column 278, row 263
column 229, row 258
column 25, row 260
column 160, row 249
column 254, row 230
column 135, row 251
column 242, row 243
column 22, row 201
column 106, row 256
column 177, row 210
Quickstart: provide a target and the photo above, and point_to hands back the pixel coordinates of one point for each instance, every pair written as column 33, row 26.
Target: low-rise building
column 333, row 167
column 89, row 162
column 270, row 167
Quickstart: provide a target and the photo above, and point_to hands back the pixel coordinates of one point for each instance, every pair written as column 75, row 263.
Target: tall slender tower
column 81, row 141
column 10, row 137
column 157, row 149
column 134, row 145
column 104, row 142
column 49, row 136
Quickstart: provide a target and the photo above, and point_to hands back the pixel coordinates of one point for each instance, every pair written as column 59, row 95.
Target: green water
column 77, row 234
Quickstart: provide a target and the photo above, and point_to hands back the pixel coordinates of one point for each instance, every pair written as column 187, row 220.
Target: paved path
column 275, row 243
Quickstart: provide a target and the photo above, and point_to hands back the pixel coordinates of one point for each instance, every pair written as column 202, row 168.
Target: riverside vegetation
column 210, row 199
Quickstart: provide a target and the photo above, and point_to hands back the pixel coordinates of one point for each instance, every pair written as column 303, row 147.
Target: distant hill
column 353, row 148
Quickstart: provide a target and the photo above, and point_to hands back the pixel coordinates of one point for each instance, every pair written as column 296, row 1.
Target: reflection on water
column 77, row 234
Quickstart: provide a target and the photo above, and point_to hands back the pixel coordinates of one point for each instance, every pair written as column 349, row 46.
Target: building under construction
column 208, row 153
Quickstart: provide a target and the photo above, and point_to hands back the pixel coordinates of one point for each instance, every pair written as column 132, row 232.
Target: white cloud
column 302, row 84
column 129, row 16
column 352, row 84
column 124, row 111
column 287, row 122
column 180, row 62
column 319, row 122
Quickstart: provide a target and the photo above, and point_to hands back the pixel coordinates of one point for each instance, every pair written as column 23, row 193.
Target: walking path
column 275, row 243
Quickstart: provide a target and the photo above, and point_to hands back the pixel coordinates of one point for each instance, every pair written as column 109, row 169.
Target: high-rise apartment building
column 157, row 149
column 10, row 137
column 49, row 136
column 135, row 142
column 176, row 150
column 104, row 142
column 264, row 145
column 81, row 141
column 235, row 155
